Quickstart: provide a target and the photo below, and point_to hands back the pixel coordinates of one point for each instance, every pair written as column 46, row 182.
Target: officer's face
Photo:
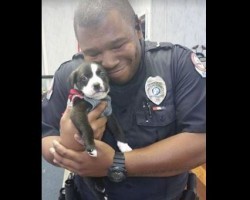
column 114, row 44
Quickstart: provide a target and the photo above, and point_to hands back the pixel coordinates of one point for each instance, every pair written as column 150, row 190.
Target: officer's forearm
column 46, row 144
column 168, row 157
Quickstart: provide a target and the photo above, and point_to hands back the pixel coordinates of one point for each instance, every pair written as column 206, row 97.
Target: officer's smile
column 116, row 72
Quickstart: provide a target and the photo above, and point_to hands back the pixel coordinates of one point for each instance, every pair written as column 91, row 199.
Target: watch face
column 117, row 174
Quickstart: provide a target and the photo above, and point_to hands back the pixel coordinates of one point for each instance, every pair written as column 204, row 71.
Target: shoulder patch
column 200, row 68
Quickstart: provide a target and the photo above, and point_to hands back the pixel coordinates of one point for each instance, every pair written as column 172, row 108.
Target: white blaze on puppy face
column 95, row 87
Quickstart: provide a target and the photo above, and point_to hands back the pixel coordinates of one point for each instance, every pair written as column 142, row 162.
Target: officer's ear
column 137, row 23
column 138, row 27
column 72, row 78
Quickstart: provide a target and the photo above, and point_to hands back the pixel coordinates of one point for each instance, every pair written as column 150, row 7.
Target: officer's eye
column 118, row 46
column 91, row 53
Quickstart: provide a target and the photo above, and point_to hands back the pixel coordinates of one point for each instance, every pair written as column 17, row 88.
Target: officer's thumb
column 66, row 113
column 100, row 108
column 97, row 112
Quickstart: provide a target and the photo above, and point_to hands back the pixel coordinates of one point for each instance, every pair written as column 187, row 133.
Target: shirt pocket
column 159, row 123
column 156, row 117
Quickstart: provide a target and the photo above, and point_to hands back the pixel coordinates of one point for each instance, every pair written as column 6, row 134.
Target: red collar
column 75, row 93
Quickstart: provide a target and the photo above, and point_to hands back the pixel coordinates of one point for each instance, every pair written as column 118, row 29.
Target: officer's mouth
column 117, row 72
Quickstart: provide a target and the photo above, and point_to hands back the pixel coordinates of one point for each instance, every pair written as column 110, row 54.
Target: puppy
column 90, row 84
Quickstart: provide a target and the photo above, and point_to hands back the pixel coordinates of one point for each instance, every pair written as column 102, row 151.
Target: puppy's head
column 91, row 79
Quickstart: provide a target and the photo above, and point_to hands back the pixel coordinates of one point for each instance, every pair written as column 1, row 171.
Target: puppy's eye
column 83, row 79
column 102, row 74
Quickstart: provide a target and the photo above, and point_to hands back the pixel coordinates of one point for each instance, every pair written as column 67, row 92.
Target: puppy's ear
column 72, row 78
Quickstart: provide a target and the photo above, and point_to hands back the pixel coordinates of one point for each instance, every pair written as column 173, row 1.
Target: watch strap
column 119, row 160
column 117, row 171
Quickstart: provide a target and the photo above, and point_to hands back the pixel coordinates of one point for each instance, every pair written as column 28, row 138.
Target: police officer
column 158, row 95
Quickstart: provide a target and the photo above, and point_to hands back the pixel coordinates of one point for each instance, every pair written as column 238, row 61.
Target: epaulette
column 157, row 45
column 77, row 56
column 183, row 47
column 74, row 58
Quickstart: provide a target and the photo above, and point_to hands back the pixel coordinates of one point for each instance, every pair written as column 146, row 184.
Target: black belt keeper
column 69, row 191
column 61, row 194
column 190, row 192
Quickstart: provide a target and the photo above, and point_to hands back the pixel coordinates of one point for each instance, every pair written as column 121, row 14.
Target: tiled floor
column 52, row 179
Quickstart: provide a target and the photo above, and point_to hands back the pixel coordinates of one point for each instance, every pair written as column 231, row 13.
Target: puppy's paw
column 124, row 147
column 92, row 152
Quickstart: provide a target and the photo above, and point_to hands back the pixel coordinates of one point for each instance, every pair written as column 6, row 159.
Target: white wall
column 143, row 7
column 58, row 39
column 177, row 21
column 186, row 22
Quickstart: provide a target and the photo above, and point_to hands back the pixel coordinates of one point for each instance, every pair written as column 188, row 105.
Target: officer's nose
column 109, row 59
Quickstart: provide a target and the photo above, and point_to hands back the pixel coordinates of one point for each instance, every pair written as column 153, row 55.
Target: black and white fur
column 91, row 79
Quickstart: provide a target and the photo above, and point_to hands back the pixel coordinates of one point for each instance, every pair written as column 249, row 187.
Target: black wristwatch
column 117, row 172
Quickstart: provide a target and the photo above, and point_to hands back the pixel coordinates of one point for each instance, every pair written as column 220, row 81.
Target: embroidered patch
column 156, row 90
column 200, row 68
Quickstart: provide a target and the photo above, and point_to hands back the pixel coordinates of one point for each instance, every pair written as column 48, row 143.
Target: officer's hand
column 82, row 163
column 97, row 123
column 68, row 130
column 69, row 134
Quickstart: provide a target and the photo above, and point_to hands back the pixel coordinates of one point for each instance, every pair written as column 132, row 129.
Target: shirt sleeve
column 190, row 93
column 55, row 102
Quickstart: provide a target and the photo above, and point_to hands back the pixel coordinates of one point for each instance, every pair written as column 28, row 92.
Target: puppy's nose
column 97, row 86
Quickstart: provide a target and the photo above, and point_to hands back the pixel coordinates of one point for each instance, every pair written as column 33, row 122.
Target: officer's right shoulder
column 68, row 66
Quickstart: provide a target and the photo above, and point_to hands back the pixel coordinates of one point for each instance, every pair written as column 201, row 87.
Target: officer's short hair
column 91, row 12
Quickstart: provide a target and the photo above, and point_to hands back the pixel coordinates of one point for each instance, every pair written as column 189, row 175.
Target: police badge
column 156, row 90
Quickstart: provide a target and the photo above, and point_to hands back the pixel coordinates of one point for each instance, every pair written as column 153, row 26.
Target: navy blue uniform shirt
column 182, row 110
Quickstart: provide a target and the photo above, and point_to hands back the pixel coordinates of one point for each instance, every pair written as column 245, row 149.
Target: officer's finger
column 98, row 127
column 62, row 154
column 100, row 122
column 99, row 133
column 66, row 163
column 96, row 113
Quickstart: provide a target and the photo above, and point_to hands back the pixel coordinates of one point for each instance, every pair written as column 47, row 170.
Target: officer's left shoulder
column 151, row 46
column 183, row 54
column 181, row 48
